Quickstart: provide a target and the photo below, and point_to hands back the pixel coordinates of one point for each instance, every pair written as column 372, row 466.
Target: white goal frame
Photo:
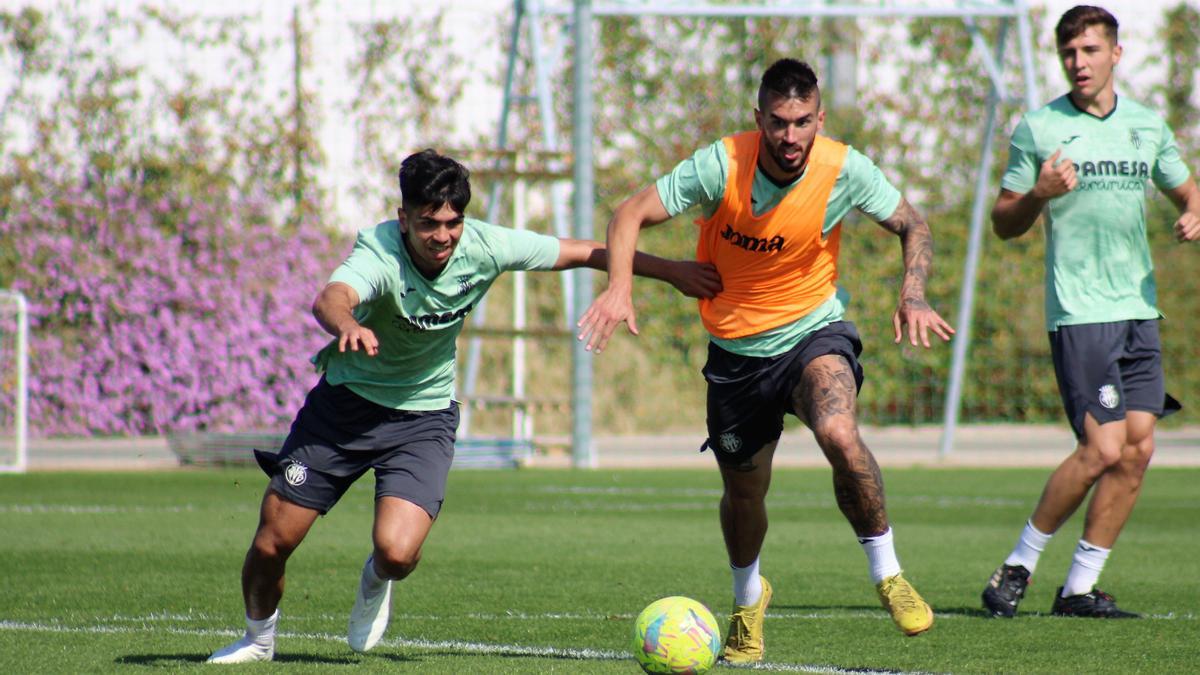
column 20, row 460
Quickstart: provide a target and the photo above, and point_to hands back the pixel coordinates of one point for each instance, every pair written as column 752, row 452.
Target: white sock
column 747, row 585
column 262, row 631
column 1029, row 547
column 881, row 556
column 371, row 582
column 1085, row 570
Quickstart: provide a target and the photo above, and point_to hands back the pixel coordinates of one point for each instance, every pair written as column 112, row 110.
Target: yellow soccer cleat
column 911, row 613
column 744, row 644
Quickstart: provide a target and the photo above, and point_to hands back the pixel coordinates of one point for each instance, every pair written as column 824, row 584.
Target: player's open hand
column 608, row 310
column 357, row 337
column 920, row 320
column 696, row 279
column 1187, row 228
column 1056, row 178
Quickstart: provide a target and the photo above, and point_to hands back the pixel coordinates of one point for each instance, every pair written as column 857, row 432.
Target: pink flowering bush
column 172, row 316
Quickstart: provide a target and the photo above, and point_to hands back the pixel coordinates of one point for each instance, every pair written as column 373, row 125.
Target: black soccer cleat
column 1097, row 605
column 1004, row 590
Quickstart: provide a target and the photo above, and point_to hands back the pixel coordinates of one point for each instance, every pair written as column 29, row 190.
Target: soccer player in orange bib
column 772, row 203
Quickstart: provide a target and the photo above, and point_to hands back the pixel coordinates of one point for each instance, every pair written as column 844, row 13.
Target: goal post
column 14, row 382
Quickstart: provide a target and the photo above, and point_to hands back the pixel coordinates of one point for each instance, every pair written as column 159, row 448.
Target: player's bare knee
column 397, row 562
column 839, row 439
column 1137, row 455
column 269, row 548
column 745, row 488
column 1100, row 456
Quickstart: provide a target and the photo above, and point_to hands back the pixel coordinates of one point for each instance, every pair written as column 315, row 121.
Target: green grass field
column 543, row 571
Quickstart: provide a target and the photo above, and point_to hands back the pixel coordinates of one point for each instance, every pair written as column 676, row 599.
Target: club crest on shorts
column 1109, row 398
column 730, row 442
column 296, row 474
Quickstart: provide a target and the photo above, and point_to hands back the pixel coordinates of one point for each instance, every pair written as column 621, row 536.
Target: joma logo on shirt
column 426, row 321
column 756, row 244
column 1113, row 168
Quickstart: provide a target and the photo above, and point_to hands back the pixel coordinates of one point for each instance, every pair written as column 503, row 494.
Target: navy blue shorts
column 749, row 395
column 338, row 436
column 1108, row 368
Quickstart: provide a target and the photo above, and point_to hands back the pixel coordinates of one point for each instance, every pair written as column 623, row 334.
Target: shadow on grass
column 504, row 654
column 169, row 660
column 957, row 611
column 976, row 612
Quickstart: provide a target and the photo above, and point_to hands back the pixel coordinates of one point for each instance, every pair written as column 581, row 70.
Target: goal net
column 14, row 381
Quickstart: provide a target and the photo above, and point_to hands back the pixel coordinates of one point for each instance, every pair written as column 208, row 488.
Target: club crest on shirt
column 296, row 474
column 1109, row 398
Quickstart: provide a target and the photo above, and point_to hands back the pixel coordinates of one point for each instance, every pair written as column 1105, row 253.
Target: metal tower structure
column 578, row 17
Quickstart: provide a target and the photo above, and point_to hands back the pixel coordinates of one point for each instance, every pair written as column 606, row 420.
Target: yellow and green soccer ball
column 676, row 635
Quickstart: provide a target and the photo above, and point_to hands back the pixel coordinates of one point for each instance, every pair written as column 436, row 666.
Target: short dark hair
column 788, row 78
column 429, row 179
column 1077, row 19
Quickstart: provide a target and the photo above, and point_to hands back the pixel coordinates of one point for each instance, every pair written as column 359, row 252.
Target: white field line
column 802, row 499
column 201, row 617
column 110, row 509
column 455, row 645
column 91, row 509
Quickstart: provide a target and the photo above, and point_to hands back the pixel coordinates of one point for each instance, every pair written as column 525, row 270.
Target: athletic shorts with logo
column 749, row 395
column 338, row 436
column 1108, row 368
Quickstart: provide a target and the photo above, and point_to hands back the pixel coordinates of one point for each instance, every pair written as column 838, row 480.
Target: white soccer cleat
column 244, row 650
column 369, row 618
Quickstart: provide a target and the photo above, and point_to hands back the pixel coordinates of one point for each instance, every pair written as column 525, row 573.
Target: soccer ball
column 676, row 635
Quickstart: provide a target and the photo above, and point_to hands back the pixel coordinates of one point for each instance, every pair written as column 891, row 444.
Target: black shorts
column 1108, row 368
column 749, row 395
column 338, row 435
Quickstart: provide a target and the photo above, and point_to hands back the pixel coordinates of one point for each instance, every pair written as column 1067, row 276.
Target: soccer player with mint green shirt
column 1084, row 162
column 416, row 319
column 771, row 202
column 385, row 402
column 700, row 181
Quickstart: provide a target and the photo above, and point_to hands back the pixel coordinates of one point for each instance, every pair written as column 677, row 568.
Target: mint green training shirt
column 1098, row 266
column 700, row 180
column 415, row 319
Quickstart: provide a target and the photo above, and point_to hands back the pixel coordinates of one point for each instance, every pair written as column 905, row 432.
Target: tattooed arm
column 917, row 245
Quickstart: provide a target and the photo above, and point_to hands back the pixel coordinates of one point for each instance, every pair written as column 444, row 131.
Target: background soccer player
column 773, row 201
column 1083, row 160
column 395, row 307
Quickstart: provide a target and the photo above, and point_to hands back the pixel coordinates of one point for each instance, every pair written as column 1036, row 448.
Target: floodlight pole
column 581, row 140
column 523, row 11
column 1033, row 98
column 962, row 338
column 479, row 316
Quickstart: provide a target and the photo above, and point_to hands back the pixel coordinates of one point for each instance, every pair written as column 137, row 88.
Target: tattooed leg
column 744, row 506
column 826, row 399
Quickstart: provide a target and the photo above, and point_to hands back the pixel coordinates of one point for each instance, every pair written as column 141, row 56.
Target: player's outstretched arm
column 1014, row 213
column 693, row 279
column 1186, row 198
column 614, row 305
column 916, row 242
column 334, row 310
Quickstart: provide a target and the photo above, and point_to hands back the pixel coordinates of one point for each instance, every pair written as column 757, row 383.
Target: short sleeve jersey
column 1098, row 266
column 416, row 319
column 700, row 181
